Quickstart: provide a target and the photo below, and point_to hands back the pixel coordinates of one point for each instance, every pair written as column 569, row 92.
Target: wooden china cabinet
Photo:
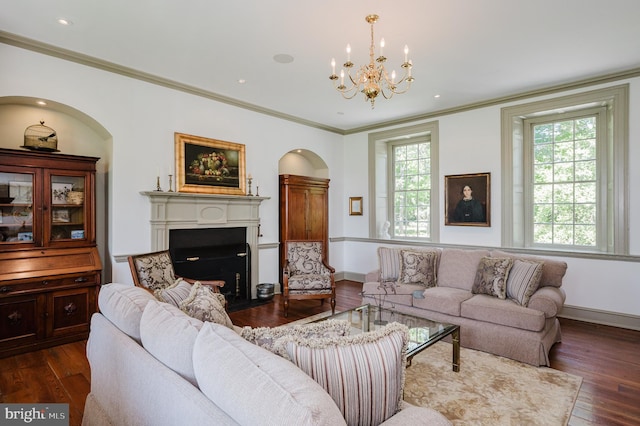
column 304, row 211
column 49, row 263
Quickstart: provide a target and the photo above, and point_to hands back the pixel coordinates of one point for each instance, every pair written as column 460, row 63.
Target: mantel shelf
column 173, row 194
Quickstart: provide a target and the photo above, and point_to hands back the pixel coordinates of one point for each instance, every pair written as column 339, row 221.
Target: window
column 404, row 178
column 564, row 171
column 411, row 189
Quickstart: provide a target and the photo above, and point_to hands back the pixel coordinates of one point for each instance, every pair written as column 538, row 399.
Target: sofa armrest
column 548, row 300
column 373, row 276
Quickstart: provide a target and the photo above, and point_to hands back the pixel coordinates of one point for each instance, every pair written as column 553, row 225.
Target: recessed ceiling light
column 436, row 96
column 283, row 58
column 64, row 21
column 42, row 103
column 241, row 81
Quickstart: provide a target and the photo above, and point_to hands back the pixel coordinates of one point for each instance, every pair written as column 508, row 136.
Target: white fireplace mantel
column 179, row 210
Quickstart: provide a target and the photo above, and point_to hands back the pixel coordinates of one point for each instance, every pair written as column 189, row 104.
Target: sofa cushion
column 523, row 280
column 389, row 261
column 503, row 312
column 265, row 337
column 363, row 373
column 458, row 267
column 418, row 267
column 175, row 293
column 552, row 271
column 491, row 276
column 206, row 305
column 445, row 300
column 256, row 387
column 169, row 334
column 123, row 305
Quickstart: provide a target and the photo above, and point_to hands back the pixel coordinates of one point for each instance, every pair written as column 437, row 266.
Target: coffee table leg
column 455, row 337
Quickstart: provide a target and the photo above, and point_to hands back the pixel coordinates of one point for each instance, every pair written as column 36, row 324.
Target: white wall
column 142, row 119
column 470, row 142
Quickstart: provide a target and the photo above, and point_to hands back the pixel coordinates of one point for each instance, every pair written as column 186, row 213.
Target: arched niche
column 303, row 162
column 78, row 134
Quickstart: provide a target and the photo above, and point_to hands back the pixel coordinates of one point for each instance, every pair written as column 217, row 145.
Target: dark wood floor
column 607, row 358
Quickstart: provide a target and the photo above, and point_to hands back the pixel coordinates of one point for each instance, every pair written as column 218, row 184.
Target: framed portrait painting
column 467, row 199
column 209, row 166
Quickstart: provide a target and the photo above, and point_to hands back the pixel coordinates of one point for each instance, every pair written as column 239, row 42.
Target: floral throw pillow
column 491, row 276
column 418, row 267
column 206, row 305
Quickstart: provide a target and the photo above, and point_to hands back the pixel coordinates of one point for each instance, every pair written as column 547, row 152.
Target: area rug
column 489, row 390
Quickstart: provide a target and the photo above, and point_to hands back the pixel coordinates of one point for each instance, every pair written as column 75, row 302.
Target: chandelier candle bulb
column 406, row 52
column 333, row 66
column 381, row 46
column 348, row 53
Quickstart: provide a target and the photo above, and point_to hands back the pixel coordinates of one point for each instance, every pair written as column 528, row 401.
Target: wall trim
column 595, row 316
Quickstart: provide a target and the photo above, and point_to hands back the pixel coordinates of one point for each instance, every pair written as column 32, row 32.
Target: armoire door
column 304, row 211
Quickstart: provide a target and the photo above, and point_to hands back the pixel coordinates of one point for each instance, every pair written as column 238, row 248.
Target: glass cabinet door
column 16, row 208
column 67, row 218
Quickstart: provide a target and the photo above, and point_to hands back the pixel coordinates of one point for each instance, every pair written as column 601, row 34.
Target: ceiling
column 466, row 51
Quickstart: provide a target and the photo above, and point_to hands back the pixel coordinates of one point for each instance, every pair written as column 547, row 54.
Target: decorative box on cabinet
column 49, row 264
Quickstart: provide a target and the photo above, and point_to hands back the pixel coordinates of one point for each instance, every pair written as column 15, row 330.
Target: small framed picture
column 467, row 199
column 355, row 206
column 25, row 236
column 61, row 216
column 59, row 192
column 77, row 234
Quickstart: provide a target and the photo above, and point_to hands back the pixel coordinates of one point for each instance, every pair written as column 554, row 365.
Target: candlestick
column 257, row 191
column 158, row 184
column 249, row 179
column 170, row 183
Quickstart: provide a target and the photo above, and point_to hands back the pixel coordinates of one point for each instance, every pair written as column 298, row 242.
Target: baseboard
column 578, row 313
column 596, row 316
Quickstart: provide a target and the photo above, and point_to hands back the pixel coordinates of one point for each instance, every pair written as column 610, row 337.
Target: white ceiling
column 466, row 51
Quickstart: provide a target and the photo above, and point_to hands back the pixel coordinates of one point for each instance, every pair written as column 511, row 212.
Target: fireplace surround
column 186, row 211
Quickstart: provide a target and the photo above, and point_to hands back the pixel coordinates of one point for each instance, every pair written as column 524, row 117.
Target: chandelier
column 372, row 79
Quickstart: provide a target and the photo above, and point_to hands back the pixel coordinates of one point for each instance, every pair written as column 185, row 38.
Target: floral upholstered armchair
column 306, row 274
column 154, row 271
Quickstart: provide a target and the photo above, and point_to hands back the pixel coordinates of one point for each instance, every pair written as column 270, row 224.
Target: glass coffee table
column 422, row 332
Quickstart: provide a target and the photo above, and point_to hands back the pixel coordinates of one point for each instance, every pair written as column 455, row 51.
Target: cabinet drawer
column 47, row 284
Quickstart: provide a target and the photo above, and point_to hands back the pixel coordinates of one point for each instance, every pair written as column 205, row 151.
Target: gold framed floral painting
column 209, row 166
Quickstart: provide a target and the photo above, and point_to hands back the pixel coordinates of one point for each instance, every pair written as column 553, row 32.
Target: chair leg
column 333, row 306
column 286, row 307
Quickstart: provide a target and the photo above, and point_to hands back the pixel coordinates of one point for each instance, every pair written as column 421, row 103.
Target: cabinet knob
column 45, row 282
column 14, row 318
column 70, row 308
column 5, row 289
column 82, row 279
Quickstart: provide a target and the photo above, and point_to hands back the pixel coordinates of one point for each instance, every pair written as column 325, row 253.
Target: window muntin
column 411, row 189
column 563, row 203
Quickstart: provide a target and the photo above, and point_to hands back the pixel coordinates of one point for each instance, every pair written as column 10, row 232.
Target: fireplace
column 171, row 211
column 214, row 254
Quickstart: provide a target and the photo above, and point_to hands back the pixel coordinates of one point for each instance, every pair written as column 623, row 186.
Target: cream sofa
column 153, row 365
column 487, row 323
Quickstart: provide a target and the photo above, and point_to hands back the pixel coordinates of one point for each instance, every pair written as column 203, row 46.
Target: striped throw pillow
column 363, row 373
column 524, row 279
column 389, row 261
column 175, row 293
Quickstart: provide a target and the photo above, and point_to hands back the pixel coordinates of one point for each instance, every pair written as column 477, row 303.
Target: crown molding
column 90, row 61
column 79, row 58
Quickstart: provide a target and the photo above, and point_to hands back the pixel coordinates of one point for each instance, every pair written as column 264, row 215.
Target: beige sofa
column 487, row 323
column 153, row 365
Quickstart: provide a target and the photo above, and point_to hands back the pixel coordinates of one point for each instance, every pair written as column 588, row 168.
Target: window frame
column 381, row 179
column 613, row 189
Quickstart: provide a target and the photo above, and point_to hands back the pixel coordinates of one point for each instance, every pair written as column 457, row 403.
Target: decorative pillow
column 418, row 267
column 491, row 276
column 266, row 337
column 169, row 335
column 175, row 293
column 389, row 261
column 363, row 373
column 206, row 305
column 272, row 390
column 524, row 279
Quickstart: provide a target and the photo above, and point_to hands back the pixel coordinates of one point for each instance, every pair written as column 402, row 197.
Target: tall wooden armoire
column 304, row 211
